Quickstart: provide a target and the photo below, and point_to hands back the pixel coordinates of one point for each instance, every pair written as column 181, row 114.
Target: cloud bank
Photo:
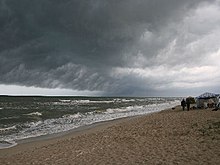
column 119, row 47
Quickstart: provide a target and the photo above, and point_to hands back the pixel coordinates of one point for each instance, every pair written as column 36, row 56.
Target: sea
column 23, row 117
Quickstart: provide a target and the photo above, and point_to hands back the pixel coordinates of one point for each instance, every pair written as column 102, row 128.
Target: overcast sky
column 110, row 47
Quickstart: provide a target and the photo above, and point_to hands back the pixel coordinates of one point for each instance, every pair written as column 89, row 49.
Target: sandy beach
column 169, row 137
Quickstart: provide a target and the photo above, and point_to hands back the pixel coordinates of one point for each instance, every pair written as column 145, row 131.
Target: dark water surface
column 24, row 117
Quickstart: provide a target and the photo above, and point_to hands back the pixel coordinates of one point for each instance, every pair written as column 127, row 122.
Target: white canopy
column 207, row 95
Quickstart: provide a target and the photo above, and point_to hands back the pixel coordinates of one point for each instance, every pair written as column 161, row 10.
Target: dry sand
column 167, row 137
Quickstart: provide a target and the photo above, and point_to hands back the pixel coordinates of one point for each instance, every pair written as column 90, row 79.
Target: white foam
column 12, row 117
column 65, row 101
column 81, row 101
column 92, row 101
column 125, row 109
column 68, row 122
column 6, row 144
column 75, row 116
column 34, row 113
column 8, row 128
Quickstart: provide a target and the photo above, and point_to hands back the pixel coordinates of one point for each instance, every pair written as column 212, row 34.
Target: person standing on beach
column 188, row 103
column 183, row 104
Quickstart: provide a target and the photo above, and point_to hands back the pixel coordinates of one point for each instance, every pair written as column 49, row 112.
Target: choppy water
column 25, row 117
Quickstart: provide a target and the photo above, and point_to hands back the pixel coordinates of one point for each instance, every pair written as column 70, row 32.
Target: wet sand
column 167, row 137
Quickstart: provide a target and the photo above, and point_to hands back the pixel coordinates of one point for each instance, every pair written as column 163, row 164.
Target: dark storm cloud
column 81, row 44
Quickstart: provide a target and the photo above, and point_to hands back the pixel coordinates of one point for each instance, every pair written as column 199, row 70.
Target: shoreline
column 13, row 140
column 76, row 131
column 169, row 136
column 32, row 142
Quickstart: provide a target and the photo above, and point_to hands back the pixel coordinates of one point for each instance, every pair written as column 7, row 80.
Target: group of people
column 185, row 104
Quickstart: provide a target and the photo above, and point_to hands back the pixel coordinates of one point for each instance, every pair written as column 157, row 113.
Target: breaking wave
column 71, row 121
